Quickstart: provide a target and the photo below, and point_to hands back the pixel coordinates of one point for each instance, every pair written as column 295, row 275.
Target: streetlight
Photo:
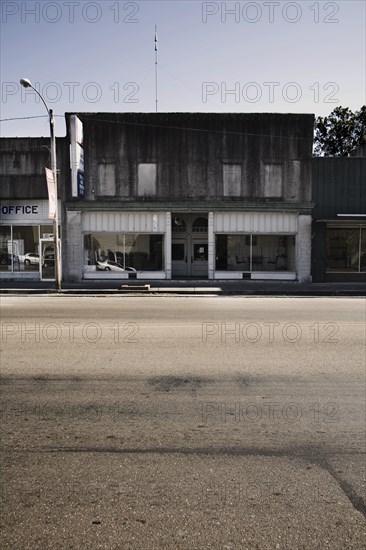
column 27, row 84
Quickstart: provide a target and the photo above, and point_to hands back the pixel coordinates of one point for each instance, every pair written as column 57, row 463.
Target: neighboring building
column 25, row 229
column 339, row 226
column 177, row 195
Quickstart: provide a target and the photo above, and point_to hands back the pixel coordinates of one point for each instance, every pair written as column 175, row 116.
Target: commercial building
column 339, row 226
column 26, row 232
column 190, row 195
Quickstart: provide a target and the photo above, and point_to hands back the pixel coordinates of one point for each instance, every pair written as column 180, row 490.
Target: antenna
column 156, row 68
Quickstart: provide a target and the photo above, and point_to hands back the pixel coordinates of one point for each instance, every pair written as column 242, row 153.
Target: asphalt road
column 183, row 423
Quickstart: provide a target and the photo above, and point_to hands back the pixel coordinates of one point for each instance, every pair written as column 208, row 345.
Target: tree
column 339, row 133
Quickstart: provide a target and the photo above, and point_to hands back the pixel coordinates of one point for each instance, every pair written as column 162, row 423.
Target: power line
column 28, row 117
column 204, row 130
column 183, row 128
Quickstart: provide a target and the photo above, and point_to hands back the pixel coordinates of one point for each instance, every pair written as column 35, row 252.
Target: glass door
column 47, row 260
column 199, row 259
column 179, row 258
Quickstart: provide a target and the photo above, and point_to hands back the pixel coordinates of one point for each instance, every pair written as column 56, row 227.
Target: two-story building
column 189, row 195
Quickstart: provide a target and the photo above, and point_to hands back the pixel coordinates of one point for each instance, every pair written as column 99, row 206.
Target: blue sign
column 81, row 188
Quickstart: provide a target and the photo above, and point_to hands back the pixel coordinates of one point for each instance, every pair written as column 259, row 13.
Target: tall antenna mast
column 156, row 68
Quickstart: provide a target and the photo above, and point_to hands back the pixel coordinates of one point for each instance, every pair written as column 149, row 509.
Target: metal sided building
column 339, row 226
column 189, row 195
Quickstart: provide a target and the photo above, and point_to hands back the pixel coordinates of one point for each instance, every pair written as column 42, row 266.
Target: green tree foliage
column 339, row 133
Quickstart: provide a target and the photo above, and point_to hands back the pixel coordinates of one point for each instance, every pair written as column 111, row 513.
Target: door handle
column 191, row 259
column 185, row 259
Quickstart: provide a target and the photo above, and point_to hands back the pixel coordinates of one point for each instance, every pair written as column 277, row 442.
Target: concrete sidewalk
column 189, row 287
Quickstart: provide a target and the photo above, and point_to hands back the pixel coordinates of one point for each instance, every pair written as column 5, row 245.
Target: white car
column 108, row 265
column 29, row 258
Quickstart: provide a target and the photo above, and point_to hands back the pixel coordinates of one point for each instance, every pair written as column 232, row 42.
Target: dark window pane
column 343, row 249
column 200, row 252
column 178, row 252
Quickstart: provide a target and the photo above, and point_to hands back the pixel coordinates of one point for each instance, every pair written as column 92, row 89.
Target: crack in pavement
column 314, row 456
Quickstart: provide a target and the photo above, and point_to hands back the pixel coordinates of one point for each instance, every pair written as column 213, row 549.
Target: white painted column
column 73, row 255
column 303, row 249
column 211, row 246
column 168, row 245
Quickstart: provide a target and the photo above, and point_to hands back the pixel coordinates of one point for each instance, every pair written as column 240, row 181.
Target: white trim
column 255, row 222
column 123, row 222
column 257, row 275
column 211, row 246
column 110, row 275
column 168, row 245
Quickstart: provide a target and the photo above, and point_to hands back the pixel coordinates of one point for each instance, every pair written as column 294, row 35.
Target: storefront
column 259, row 245
column 339, row 227
column 345, row 250
column 181, row 245
column 121, row 245
column 26, row 240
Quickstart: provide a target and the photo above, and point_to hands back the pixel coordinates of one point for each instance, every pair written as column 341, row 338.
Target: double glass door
column 190, row 247
column 189, row 258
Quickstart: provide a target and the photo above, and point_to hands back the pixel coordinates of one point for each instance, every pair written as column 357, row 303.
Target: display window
column 255, row 252
column 346, row 250
column 123, row 252
column 19, row 247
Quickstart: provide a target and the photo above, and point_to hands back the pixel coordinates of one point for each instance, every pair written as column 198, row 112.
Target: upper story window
column 272, row 180
column 146, row 184
column 232, row 180
column 107, row 179
column 200, row 225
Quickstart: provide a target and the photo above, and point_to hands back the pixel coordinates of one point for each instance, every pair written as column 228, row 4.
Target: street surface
column 183, row 423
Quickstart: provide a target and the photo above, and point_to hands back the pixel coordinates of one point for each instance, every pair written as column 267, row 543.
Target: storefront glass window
column 232, row 252
column 343, row 249
column 20, row 254
column 118, row 252
column 255, row 252
column 363, row 250
column 26, row 248
column 5, row 248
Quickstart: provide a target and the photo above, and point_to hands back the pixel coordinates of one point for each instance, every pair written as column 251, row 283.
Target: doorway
column 47, row 260
column 190, row 246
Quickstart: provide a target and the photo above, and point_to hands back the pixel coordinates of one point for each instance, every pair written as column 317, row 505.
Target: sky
column 261, row 56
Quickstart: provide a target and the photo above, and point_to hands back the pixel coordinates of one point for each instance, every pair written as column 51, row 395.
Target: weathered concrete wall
column 73, row 257
column 190, row 150
column 303, row 252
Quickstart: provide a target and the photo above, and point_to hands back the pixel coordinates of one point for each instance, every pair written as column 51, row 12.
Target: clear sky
column 263, row 56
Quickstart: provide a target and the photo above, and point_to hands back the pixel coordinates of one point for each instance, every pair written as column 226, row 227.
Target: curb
column 182, row 292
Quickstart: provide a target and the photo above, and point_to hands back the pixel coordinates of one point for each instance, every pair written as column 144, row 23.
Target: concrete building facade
column 192, row 195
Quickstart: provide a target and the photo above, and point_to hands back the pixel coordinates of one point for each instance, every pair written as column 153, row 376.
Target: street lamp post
column 27, row 84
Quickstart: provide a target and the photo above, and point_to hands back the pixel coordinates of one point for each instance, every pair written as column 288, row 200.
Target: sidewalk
column 189, row 287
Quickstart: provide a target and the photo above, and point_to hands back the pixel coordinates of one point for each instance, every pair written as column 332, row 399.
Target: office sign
column 25, row 211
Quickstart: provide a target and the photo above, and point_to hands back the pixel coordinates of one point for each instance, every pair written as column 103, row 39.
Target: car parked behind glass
column 108, row 265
